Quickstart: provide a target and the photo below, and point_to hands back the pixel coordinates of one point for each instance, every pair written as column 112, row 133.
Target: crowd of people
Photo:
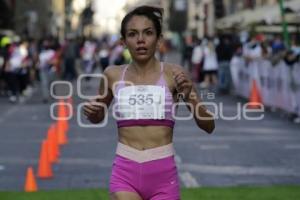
column 27, row 64
column 208, row 59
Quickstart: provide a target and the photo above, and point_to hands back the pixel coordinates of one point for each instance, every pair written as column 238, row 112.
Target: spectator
column 210, row 66
column 197, row 61
column 224, row 53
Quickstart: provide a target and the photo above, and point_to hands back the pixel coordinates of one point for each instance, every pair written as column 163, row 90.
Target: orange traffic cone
column 62, row 113
column 52, row 145
column 44, row 168
column 30, row 183
column 55, row 138
column 61, row 134
column 255, row 98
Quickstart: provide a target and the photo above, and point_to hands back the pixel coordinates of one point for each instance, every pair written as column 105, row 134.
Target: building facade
column 262, row 15
column 39, row 19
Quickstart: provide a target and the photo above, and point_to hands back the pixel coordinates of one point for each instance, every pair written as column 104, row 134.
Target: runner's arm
column 95, row 110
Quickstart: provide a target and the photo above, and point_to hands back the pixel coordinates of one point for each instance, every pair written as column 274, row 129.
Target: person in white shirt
column 210, row 65
column 88, row 56
column 46, row 69
column 197, row 60
column 14, row 67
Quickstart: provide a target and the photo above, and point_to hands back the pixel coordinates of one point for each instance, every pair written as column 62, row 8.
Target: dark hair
column 153, row 13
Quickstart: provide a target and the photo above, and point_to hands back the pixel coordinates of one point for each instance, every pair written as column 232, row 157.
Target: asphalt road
column 239, row 152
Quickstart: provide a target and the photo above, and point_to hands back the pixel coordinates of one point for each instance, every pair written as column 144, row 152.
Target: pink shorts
column 150, row 178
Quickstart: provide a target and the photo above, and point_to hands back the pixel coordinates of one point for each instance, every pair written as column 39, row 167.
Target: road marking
column 85, row 161
column 188, row 180
column 248, row 130
column 292, row 146
column 2, row 167
column 214, row 147
column 240, row 170
column 62, row 161
column 177, row 159
column 9, row 112
column 239, row 138
column 264, row 130
column 72, row 141
column 186, row 177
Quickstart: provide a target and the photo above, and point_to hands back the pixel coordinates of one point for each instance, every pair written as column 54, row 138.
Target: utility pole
column 284, row 24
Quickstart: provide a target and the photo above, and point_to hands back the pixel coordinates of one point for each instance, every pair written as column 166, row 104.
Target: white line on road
column 239, row 138
column 186, row 177
column 178, row 159
column 248, row 130
column 63, row 161
column 86, row 161
column 188, row 180
column 292, row 146
column 240, row 170
column 263, row 130
column 75, row 140
column 2, row 167
column 9, row 112
column 214, row 147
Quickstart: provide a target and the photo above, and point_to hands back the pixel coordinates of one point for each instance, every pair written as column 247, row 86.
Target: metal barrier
column 279, row 85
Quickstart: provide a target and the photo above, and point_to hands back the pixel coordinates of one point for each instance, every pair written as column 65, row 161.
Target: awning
column 275, row 29
column 269, row 14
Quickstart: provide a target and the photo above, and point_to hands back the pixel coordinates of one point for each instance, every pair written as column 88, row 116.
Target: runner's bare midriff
column 142, row 138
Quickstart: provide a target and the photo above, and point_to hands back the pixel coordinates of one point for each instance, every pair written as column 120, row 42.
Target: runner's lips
column 141, row 49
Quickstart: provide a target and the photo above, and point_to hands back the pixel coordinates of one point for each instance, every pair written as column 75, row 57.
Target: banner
column 279, row 85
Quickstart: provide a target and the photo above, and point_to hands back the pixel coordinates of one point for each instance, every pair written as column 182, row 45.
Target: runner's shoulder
column 114, row 72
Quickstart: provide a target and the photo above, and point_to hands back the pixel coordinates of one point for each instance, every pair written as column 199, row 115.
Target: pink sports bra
column 168, row 119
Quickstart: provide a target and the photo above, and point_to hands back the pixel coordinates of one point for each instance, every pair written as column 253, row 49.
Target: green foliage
column 205, row 193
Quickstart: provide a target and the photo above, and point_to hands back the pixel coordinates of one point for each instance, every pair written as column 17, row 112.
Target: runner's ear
column 122, row 41
column 159, row 41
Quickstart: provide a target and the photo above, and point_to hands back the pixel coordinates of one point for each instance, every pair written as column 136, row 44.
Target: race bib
column 141, row 102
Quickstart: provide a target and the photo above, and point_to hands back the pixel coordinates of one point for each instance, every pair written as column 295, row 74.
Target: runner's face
column 141, row 38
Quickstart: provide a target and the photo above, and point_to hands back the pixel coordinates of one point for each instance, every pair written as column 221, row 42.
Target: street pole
column 284, row 24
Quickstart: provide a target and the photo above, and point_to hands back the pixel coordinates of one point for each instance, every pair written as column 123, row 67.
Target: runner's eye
column 131, row 34
column 149, row 32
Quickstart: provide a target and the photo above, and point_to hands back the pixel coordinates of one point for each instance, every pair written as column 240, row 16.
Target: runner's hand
column 92, row 110
column 183, row 83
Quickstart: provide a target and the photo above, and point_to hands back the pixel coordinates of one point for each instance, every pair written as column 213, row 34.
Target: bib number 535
column 141, row 99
